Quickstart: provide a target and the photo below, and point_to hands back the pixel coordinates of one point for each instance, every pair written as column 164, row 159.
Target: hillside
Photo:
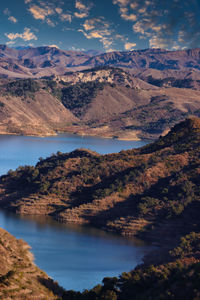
column 126, row 95
column 28, row 108
column 105, row 101
column 145, row 191
column 19, row 276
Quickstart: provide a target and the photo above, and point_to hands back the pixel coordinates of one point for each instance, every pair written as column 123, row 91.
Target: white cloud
column 66, row 18
column 58, row 10
column 12, row 19
column 27, row 1
column 27, row 35
column 40, row 13
column 121, row 2
column 158, row 42
column 126, row 16
column 81, row 15
column 10, row 43
column 54, row 46
column 83, row 10
column 89, row 25
column 77, row 49
column 50, row 23
column 98, row 28
column 128, row 46
column 80, row 6
column 6, row 12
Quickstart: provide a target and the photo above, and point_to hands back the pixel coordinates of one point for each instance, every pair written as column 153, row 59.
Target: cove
column 77, row 257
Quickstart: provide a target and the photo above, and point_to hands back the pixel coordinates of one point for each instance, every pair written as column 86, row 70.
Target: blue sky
column 104, row 25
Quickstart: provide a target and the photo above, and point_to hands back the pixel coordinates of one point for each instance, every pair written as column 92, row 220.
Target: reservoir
column 77, row 257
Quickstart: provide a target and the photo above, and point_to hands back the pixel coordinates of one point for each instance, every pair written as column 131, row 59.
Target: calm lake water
column 77, row 257
column 23, row 150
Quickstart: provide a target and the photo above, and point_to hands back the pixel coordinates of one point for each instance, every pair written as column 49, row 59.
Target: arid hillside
column 105, row 101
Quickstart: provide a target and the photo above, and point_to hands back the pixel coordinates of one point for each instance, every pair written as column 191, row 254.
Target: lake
column 77, row 257
column 23, row 150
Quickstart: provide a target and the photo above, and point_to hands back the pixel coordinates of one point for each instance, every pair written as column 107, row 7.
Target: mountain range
column 45, row 61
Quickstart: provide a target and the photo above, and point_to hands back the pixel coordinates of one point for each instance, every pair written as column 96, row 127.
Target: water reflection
column 77, row 257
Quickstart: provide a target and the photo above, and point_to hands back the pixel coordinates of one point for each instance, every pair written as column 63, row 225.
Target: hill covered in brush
column 131, row 192
column 175, row 278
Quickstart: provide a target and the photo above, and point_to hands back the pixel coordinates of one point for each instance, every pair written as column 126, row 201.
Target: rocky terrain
column 19, row 277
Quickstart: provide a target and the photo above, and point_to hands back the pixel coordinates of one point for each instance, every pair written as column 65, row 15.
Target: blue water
column 23, row 150
column 77, row 257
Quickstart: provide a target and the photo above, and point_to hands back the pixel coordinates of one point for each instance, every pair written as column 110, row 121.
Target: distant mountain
column 46, row 61
column 38, row 62
column 93, row 52
column 158, row 59
column 21, row 47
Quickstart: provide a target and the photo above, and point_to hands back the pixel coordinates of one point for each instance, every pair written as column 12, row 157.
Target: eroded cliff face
column 20, row 278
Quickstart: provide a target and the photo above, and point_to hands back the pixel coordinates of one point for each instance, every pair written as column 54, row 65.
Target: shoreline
column 76, row 134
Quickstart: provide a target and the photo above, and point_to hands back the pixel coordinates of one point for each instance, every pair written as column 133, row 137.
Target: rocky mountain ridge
column 46, row 61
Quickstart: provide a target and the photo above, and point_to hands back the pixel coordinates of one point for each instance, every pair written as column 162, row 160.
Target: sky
column 104, row 25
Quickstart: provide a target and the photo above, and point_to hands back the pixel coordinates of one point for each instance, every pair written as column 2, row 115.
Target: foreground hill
column 19, row 276
column 150, row 190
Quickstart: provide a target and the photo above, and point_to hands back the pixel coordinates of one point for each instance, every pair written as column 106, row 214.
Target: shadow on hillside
column 52, row 286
